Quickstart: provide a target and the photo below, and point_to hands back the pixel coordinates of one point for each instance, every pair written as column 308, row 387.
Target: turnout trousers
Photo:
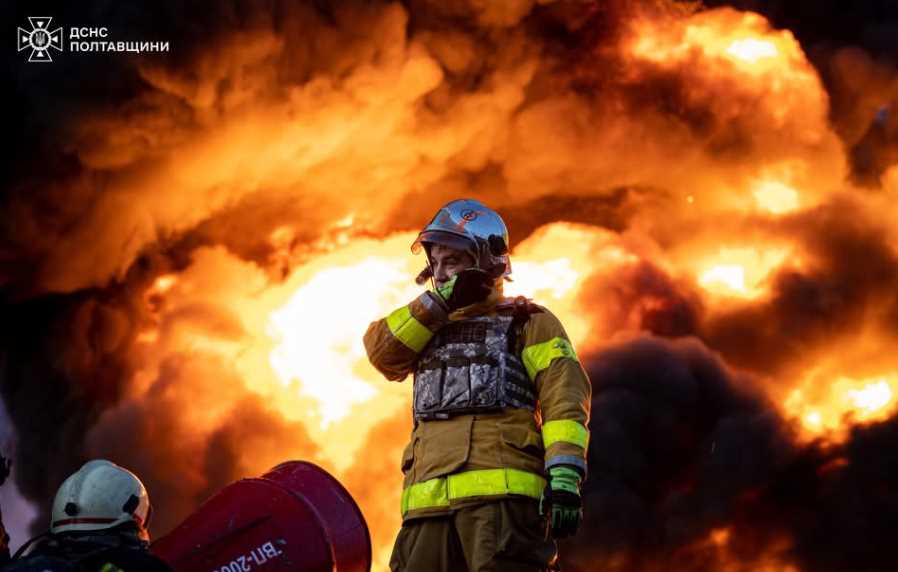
column 506, row 535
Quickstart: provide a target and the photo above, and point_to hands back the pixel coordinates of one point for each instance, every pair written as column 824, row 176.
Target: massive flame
column 302, row 349
column 743, row 41
column 842, row 403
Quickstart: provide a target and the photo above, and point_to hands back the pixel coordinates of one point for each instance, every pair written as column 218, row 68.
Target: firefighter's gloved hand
column 561, row 501
column 465, row 288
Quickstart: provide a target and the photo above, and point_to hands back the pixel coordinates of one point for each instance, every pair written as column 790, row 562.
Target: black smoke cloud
column 63, row 364
column 676, row 440
column 852, row 275
column 692, row 469
column 641, row 297
column 842, row 521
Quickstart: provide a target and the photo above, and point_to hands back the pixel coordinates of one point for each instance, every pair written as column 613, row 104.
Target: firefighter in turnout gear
column 98, row 524
column 500, row 403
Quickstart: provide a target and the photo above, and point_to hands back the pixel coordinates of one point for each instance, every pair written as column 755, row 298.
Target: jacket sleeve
column 563, row 389
column 393, row 343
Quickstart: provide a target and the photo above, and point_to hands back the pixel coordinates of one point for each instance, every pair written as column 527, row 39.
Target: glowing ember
column 164, row 283
column 720, row 536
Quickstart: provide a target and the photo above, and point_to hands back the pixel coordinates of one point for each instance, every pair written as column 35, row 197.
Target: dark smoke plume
column 851, row 279
column 691, row 470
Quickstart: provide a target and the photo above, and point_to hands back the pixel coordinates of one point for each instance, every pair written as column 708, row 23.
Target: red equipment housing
column 296, row 517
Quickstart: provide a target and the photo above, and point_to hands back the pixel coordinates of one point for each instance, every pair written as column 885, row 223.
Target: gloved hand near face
column 465, row 288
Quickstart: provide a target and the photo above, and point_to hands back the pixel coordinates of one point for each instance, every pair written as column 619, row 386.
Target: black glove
column 467, row 287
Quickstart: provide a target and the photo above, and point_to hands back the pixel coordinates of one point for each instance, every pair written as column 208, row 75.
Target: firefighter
column 98, row 524
column 500, row 403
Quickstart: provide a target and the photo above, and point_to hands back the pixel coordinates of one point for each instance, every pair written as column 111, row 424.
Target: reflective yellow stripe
column 488, row 482
column 109, row 567
column 566, row 431
column 538, row 356
column 428, row 494
column 412, row 333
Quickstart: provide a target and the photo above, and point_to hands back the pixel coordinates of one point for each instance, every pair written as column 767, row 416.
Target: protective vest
column 471, row 366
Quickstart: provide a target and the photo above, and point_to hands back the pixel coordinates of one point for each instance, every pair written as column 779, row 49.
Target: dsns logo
column 40, row 38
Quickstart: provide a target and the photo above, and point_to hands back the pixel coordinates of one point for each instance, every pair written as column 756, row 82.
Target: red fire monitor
column 296, row 517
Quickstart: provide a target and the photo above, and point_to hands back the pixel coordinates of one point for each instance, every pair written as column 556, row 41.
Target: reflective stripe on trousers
column 440, row 491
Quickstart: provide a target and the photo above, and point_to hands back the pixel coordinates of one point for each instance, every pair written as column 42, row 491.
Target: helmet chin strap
column 424, row 275
column 427, row 272
column 429, row 269
column 495, row 271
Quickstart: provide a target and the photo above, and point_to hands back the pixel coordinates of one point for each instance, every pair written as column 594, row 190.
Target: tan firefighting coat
column 459, row 460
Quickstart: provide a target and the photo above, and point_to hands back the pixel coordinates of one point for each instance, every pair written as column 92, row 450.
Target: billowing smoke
column 848, row 284
column 157, row 207
column 691, row 469
column 680, row 446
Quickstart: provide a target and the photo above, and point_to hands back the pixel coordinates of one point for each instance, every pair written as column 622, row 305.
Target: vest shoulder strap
column 522, row 308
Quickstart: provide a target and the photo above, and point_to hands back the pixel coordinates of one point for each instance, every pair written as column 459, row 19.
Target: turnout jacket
column 474, row 457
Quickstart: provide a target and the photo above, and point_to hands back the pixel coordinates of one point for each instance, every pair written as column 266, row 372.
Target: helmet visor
column 444, row 238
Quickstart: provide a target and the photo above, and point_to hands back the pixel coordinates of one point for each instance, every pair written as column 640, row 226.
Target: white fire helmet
column 99, row 496
column 470, row 226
